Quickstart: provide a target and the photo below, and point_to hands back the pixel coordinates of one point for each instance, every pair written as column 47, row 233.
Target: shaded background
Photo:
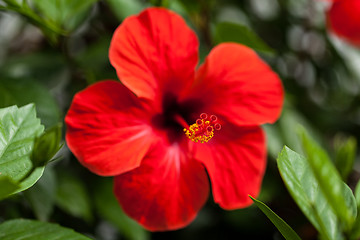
column 49, row 57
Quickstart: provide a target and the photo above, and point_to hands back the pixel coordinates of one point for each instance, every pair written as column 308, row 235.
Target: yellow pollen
column 203, row 130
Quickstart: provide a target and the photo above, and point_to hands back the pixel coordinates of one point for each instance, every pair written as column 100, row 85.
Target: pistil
column 181, row 121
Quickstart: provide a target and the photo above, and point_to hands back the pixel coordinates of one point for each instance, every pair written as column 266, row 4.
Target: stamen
column 203, row 129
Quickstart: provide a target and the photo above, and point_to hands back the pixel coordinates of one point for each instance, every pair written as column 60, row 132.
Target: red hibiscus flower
column 344, row 20
column 158, row 131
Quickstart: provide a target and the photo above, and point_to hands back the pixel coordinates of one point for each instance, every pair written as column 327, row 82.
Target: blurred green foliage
column 52, row 49
column 16, row 229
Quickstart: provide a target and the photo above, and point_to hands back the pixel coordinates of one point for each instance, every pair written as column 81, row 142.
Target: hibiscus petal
column 344, row 20
column 234, row 83
column 107, row 128
column 166, row 191
column 235, row 159
column 154, row 53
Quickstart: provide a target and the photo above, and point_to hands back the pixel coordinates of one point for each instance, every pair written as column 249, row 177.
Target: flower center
column 203, row 129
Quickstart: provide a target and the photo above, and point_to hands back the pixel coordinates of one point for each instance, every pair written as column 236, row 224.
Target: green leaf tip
column 280, row 224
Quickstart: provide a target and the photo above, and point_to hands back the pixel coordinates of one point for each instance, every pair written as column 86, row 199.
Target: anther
column 213, row 118
column 203, row 129
column 203, row 115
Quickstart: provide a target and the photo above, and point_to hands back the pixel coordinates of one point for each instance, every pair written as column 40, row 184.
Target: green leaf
column 335, row 190
column 280, row 224
column 23, row 91
column 18, row 129
column 355, row 234
column 72, row 196
column 42, row 195
column 125, row 8
column 50, row 30
column 357, row 195
column 233, row 32
column 345, row 155
column 34, row 230
column 7, row 187
column 108, row 207
column 305, row 190
column 46, row 146
column 64, row 13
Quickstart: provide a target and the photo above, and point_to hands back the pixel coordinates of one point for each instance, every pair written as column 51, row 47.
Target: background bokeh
column 47, row 57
